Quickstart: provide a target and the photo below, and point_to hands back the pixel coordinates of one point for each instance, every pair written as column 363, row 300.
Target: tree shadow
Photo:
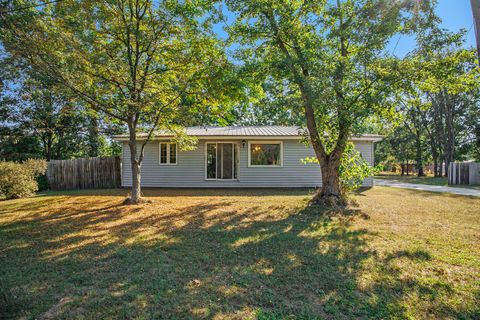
column 199, row 260
column 182, row 192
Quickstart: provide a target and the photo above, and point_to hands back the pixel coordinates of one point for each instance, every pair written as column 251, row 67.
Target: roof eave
column 122, row 138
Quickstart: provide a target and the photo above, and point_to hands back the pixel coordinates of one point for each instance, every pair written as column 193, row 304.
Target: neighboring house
column 255, row 156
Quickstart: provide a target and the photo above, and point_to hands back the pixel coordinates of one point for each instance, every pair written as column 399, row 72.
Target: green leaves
column 330, row 53
column 353, row 168
column 135, row 61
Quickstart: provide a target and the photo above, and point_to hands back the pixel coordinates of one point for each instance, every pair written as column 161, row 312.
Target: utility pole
column 476, row 21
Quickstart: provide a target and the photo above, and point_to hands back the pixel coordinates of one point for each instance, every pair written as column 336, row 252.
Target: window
column 168, row 153
column 221, row 161
column 265, row 153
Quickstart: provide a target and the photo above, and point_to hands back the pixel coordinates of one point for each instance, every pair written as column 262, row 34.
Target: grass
column 240, row 254
column 428, row 180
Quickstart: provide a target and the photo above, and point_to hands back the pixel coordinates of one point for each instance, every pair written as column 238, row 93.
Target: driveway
column 424, row 187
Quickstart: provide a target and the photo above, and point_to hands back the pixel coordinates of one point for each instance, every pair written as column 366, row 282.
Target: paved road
column 424, row 187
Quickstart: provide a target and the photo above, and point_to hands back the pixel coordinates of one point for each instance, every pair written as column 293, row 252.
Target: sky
column 455, row 15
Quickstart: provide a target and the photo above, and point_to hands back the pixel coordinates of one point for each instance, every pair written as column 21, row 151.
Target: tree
column 399, row 145
column 138, row 62
column 438, row 98
column 37, row 110
column 332, row 55
column 275, row 103
column 447, row 77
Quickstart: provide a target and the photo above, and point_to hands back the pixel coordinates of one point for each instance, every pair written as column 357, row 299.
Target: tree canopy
column 141, row 63
column 331, row 57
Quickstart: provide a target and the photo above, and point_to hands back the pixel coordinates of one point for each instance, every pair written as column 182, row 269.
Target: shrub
column 354, row 169
column 42, row 182
column 19, row 180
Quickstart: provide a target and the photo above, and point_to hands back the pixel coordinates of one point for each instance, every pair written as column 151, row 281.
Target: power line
column 469, row 29
column 30, row 7
column 396, row 44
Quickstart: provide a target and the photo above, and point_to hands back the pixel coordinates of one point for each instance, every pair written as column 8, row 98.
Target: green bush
column 354, row 169
column 42, row 182
column 19, row 180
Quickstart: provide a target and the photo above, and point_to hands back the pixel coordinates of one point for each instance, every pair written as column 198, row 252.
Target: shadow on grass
column 182, row 192
column 204, row 260
column 426, row 194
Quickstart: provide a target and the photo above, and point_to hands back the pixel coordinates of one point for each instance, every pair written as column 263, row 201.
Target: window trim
column 168, row 163
column 279, row 142
column 235, row 166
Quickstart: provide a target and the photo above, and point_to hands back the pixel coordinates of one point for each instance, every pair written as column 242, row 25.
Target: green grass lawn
column 240, row 254
column 428, row 180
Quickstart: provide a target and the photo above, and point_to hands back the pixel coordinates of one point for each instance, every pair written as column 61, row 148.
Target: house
column 236, row 156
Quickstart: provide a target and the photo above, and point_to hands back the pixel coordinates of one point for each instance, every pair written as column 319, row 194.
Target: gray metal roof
column 242, row 131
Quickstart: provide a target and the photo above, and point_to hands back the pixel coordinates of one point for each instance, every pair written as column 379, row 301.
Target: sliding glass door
column 221, row 161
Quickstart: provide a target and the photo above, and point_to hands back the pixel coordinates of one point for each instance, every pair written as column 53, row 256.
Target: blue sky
column 455, row 15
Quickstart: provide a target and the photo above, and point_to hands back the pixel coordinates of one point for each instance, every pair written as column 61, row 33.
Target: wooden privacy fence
column 464, row 173
column 84, row 173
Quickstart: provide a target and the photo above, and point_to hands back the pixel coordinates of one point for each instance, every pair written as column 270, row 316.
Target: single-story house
column 235, row 156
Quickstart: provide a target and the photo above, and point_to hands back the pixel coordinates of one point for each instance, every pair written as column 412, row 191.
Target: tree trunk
column 135, row 163
column 449, row 150
column 435, row 160
column 136, row 194
column 47, row 145
column 420, row 172
column 407, row 168
column 419, row 155
column 440, row 168
column 330, row 194
column 93, row 137
column 438, row 112
column 58, row 149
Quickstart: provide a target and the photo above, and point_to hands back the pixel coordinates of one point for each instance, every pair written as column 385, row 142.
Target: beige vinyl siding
column 190, row 168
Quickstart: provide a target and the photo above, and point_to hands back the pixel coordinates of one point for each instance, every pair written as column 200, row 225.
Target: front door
column 221, row 161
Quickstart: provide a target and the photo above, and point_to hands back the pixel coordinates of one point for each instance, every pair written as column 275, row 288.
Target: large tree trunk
column 330, row 194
